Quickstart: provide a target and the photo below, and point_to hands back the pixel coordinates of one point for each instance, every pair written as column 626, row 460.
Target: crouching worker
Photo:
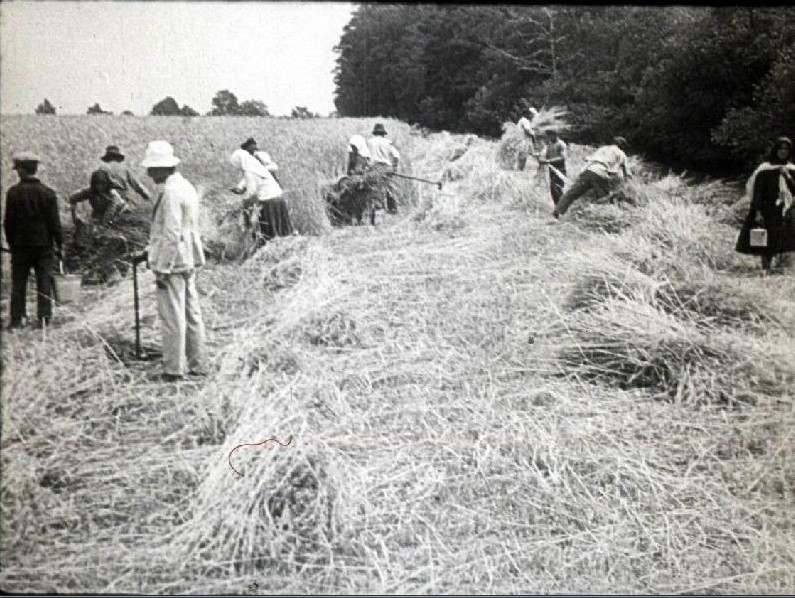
column 604, row 172
column 174, row 253
column 104, row 198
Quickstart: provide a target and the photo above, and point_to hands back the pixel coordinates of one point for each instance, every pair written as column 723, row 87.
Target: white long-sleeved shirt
column 525, row 126
column 257, row 180
column 174, row 242
column 382, row 150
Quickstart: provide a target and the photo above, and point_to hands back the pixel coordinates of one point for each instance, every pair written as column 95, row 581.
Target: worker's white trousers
column 181, row 325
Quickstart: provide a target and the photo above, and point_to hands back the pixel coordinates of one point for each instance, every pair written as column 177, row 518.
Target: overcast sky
column 129, row 55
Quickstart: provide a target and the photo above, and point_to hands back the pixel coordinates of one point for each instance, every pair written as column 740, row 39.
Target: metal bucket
column 67, row 287
column 758, row 237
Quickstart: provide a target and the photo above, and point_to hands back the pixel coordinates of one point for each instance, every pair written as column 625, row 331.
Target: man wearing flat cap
column 385, row 159
column 602, row 174
column 32, row 227
column 121, row 176
column 174, row 253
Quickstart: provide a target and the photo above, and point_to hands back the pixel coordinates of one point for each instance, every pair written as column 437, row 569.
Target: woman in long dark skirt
column 771, row 189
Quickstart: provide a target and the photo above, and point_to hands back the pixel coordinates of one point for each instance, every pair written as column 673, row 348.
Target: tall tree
column 302, row 112
column 225, row 103
column 166, row 107
column 253, row 108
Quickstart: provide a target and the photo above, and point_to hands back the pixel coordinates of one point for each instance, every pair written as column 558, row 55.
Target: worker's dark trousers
column 22, row 260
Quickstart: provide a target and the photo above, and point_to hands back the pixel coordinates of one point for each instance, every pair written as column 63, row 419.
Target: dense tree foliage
column 225, row 103
column 303, row 112
column 169, row 107
column 696, row 86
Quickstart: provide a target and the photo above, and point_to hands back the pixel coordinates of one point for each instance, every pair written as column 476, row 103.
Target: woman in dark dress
column 771, row 189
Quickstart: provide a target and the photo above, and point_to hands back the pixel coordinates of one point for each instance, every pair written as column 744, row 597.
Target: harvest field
column 481, row 400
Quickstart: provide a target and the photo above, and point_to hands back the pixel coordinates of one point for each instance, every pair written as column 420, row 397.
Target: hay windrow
column 447, row 450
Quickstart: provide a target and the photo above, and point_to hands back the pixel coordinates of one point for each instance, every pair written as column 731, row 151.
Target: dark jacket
column 31, row 216
column 780, row 228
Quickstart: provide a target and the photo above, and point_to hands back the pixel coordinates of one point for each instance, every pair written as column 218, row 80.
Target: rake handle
column 414, row 178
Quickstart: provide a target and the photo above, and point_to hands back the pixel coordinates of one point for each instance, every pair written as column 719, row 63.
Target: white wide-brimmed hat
column 159, row 154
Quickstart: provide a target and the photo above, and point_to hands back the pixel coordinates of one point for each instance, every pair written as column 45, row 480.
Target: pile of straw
column 441, row 445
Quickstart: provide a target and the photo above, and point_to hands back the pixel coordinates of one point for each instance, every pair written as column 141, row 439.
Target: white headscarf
column 785, row 199
column 360, row 144
column 241, row 159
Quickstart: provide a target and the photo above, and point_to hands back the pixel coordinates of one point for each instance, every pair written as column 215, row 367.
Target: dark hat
column 620, row 142
column 783, row 141
column 248, row 143
column 112, row 151
column 379, row 129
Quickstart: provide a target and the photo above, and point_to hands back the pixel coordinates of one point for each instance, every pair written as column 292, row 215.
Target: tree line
column 701, row 87
column 225, row 103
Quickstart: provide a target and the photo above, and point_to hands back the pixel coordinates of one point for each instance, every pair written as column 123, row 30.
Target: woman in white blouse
column 258, row 184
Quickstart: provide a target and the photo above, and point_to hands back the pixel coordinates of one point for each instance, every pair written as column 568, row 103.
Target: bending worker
column 121, row 176
column 603, row 173
column 385, row 159
column 103, row 195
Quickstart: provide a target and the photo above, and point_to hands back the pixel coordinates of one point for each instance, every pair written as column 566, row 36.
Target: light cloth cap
column 159, row 154
column 26, row 157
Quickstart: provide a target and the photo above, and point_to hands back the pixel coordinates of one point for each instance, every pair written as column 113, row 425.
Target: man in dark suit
column 32, row 227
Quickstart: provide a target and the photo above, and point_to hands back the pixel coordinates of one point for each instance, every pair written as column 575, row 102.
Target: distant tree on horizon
column 253, row 108
column 127, row 113
column 225, row 103
column 303, row 112
column 96, row 109
column 45, row 107
column 168, row 106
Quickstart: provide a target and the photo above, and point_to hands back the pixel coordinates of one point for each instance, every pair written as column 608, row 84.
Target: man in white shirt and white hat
column 526, row 126
column 174, row 253
column 385, row 159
